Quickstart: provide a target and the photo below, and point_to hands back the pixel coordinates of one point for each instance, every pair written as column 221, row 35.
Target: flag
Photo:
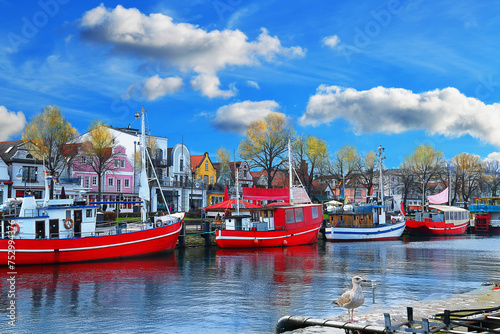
column 440, row 198
column 402, row 210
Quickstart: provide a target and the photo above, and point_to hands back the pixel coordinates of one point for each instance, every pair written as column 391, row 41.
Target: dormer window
column 206, row 165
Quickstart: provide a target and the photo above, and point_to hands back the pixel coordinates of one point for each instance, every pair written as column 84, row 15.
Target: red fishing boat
column 294, row 221
column 65, row 230
column 486, row 215
column 440, row 220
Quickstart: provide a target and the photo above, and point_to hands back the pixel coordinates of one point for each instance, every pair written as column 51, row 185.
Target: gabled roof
column 196, row 161
column 9, row 148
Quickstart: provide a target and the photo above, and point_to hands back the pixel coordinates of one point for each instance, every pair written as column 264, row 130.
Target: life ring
column 159, row 223
column 394, row 220
column 14, row 228
column 68, row 223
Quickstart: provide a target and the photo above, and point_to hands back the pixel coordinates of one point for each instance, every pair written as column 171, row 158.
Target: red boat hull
column 435, row 228
column 258, row 239
column 45, row 251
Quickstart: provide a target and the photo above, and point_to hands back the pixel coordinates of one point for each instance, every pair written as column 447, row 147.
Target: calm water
column 227, row 291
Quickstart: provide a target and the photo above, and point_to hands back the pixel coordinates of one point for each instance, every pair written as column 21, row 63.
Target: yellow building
column 203, row 169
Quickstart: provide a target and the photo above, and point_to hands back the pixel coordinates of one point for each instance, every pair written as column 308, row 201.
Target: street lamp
column 19, row 176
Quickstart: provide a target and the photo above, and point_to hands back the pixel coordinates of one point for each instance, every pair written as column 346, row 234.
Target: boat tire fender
column 68, row 223
column 159, row 223
column 14, row 228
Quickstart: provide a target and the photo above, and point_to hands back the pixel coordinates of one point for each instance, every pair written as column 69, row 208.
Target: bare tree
column 367, row 175
column 98, row 148
column 266, row 144
column 47, row 137
column 425, row 163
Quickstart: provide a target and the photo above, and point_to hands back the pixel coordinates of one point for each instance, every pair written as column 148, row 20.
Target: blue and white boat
column 366, row 222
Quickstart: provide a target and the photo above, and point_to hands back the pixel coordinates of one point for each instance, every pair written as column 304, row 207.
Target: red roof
column 196, row 161
column 231, row 204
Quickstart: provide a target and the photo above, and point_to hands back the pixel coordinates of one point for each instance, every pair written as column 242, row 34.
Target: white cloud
column 237, row 116
column 154, row 87
column 493, row 156
column 395, row 110
column 253, row 84
column 331, row 41
column 11, row 123
column 183, row 45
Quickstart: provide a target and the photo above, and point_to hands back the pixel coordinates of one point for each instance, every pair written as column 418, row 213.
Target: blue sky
column 366, row 73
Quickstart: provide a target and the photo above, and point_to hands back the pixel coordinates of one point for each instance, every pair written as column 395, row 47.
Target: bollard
column 207, row 235
column 182, row 236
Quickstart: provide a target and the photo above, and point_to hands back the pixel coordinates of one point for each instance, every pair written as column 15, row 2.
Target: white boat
column 367, row 222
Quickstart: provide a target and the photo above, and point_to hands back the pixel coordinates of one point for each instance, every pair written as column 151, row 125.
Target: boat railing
column 484, row 207
column 11, row 212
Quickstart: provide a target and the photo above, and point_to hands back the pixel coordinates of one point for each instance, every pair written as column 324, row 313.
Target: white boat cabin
column 444, row 213
column 63, row 218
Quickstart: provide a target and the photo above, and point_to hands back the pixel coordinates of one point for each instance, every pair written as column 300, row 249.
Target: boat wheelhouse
column 485, row 215
column 439, row 220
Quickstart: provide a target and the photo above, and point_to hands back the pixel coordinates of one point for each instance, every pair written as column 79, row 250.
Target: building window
column 181, row 165
column 122, row 163
column 206, row 165
column 358, row 193
column 84, row 160
column 117, row 163
column 211, row 179
column 29, row 174
column 110, row 182
column 87, row 181
column 94, row 180
column 126, row 183
column 80, row 180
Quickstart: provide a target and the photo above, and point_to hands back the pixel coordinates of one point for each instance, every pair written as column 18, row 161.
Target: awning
column 333, row 202
column 232, row 204
column 322, row 198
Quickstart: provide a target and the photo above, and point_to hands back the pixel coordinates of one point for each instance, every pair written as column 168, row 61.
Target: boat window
column 289, row 216
column 68, row 214
column 455, row 215
column 89, row 213
column 315, row 212
column 299, row 215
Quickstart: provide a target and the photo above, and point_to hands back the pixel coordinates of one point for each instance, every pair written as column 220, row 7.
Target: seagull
column 353, row 298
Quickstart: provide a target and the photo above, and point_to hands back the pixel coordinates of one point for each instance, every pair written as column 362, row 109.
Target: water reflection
column 210, row 290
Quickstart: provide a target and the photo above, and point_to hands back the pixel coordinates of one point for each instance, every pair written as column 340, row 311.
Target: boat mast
column 144, row 188
column 381, row 181
column 237, row 189
column 290, row 175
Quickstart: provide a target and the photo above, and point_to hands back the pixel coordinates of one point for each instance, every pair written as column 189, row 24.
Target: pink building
column 117, row 183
